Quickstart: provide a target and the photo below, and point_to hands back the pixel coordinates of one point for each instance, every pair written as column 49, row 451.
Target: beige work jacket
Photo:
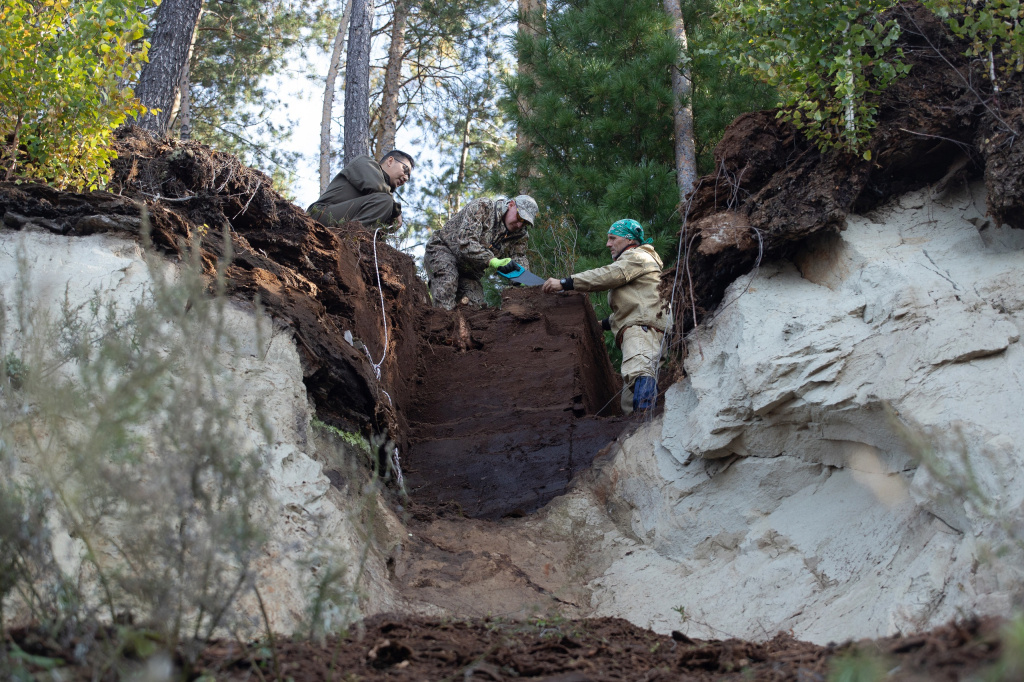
column 632, row 282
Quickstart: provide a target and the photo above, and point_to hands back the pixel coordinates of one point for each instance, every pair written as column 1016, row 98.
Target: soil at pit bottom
column 384, row 648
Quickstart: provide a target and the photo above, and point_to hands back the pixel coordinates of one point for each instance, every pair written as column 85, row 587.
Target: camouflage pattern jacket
column 477, row 233
column 631, row 281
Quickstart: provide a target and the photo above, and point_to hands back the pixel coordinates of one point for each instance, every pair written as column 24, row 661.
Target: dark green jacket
column 363, row 176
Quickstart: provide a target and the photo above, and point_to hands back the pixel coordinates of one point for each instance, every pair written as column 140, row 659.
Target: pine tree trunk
column 329, row 88
column 168, row 56
column 686, row 157
column 530, row 14
column 392, row 80
column 357, row 81
column 460, row 176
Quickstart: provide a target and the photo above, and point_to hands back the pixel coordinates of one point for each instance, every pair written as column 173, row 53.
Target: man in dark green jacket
column 362, row 191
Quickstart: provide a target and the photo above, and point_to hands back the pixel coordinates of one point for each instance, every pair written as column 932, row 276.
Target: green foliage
column 720, row 91
column 595, row 99
column 356, row 440
column 63, row 64
column 241, row 47
column 993, row 29
column 470, row 133
column 453, row 73
column 13, row 370
column 829, row 61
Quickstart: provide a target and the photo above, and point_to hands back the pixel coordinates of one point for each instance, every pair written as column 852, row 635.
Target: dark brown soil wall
column 505, row 409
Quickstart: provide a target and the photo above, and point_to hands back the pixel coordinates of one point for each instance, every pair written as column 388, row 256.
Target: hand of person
column 551, row 286
column 511, row 266
column 398, row 221
column 499, row 262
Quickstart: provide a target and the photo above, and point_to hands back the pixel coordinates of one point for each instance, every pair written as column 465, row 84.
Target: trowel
column 522, row 276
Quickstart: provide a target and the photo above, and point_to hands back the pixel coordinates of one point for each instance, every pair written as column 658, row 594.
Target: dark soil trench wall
column 506, row 404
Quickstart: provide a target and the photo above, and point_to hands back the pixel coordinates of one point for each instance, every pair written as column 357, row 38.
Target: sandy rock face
column 311, row 525
column 786, row 488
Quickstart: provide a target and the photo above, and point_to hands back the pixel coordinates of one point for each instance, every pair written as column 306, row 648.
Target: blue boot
column 645, row 393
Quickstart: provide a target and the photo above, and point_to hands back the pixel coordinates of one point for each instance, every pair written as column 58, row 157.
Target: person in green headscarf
column 639, row 314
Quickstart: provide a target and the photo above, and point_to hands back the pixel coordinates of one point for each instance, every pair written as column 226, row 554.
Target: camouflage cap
column 527, row 207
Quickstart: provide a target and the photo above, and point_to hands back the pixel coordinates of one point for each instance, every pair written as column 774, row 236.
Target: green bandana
column 630, row 229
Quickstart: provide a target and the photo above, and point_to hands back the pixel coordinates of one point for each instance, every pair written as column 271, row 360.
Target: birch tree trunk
column 357, row 81
column 168, row 56
column 185, row 114
column 686, row 157
column 329, row 89
column 392, row 80
column 182, row 112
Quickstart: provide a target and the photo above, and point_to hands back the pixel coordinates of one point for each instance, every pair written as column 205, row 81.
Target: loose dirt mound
column 562, row 651
column 942, row 124
column 386, row 648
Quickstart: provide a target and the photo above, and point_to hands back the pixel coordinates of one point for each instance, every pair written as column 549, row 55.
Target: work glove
column 499, row 262
column 511, row 266
column 606, row 324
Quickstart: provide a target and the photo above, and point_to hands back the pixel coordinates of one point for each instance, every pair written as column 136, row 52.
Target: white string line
column 380, row 290
column 395, row 461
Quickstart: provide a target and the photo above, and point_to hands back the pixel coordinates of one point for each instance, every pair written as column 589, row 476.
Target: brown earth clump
column 312, row 285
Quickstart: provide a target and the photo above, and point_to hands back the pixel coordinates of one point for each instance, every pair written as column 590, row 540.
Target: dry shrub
column 130, row 491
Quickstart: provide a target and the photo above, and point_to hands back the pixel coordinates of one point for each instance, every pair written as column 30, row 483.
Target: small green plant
column 681, row 610
column 857, row 665
column 14, row 370
column 64, row 64
column 549, row 625
column 1010, row 667
column 356, row 440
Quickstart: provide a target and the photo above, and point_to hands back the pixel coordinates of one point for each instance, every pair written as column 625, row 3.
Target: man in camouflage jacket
column 639, row 314
column 362, row 191
column 484, row 230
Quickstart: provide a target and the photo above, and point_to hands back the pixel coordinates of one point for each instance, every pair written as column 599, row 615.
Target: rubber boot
column 645, row 393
